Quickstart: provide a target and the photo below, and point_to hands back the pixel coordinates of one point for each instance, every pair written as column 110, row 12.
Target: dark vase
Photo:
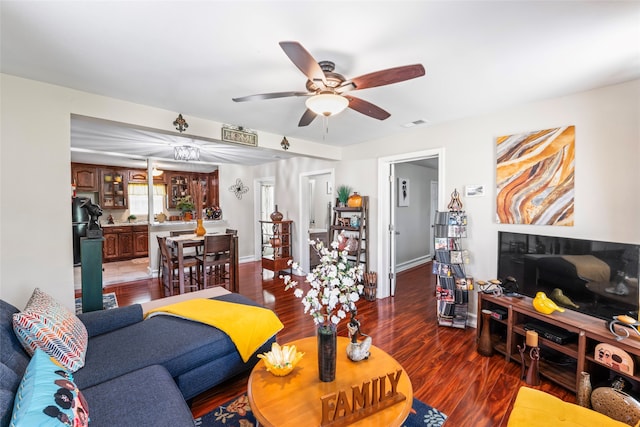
column 276, row 215
column 327, row 345
column 485, row 346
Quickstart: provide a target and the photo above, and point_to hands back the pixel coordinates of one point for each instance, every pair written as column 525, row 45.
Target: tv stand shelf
column 577, row 355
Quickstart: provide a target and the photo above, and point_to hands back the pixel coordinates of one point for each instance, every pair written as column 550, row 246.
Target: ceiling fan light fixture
column 327, row 104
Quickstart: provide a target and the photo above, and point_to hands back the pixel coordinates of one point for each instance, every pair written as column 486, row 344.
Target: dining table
column 180, row 242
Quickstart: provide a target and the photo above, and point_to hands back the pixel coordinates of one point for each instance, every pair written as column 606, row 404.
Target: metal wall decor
column 284, row 143
column 239, row 189
column 239, row 135
column 180, row 124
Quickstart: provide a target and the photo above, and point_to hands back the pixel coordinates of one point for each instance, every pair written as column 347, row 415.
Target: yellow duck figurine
column 545, row 305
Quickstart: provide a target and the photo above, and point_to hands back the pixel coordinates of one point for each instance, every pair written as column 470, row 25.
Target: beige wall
column 35, row 236
column 607, row 193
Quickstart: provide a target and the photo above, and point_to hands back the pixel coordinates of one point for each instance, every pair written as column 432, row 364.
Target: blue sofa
column 136, row 372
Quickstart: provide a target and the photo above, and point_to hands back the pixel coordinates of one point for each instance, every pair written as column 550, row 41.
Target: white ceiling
column 193, row 57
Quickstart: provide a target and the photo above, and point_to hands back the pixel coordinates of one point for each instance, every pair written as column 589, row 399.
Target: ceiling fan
column 327, row 90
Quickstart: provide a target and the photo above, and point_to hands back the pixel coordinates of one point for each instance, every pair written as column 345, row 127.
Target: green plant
column 185, row 204
column 343, row 193
column 132, row 218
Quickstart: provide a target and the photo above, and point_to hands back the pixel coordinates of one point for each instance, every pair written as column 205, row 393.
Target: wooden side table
column 294, row 400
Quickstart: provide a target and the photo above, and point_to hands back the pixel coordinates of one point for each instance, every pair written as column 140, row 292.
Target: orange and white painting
column 535, row 177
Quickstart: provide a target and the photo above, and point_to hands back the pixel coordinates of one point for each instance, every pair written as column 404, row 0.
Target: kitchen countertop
column 124, row 224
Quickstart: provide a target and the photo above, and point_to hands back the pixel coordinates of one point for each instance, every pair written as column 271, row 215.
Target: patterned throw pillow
column 46, row 324
column 47, row 396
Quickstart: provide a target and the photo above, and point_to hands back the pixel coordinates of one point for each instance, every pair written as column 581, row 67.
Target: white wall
column 34, row 154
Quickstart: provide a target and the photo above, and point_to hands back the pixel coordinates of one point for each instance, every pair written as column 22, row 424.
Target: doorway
column 264, row 206
column 396, row 251
column 316, row 202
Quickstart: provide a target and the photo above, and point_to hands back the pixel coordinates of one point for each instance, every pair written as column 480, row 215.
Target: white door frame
column 257, row 197
column 385, row 204
column 303, row 208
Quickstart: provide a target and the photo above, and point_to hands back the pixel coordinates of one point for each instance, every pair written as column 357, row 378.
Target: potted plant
column 343, row 194
column 186, row 206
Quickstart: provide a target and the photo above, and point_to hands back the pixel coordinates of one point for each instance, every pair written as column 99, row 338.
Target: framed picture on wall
column 403, row 192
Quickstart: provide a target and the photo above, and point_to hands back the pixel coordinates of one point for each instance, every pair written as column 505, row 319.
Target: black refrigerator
column 79, row 223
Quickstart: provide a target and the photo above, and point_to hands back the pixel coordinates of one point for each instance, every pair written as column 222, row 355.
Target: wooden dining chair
column 169, row 267
column 216, row 258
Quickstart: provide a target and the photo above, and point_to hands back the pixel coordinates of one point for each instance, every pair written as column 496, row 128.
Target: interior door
column 392, row 230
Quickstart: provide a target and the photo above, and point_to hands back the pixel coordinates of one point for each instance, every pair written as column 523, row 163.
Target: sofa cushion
column 535, row 408
column 47, row 324
column 146, row 397
column 13, row 358
column 179, row 345
column 47, row 396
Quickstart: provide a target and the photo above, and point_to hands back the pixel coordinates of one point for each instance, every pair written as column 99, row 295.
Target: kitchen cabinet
column 140, row 241
column 113, row 189
column 84, row 176
column 179, row 186
column 125, row 242
column 139, row 176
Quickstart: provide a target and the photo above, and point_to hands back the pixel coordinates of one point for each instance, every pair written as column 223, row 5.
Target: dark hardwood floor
column 445, row 369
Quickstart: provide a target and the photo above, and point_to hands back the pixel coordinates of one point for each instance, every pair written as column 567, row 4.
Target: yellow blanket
column 589, row 267
column 248, row 327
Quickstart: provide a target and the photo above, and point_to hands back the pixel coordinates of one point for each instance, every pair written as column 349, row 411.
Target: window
column 138, row 204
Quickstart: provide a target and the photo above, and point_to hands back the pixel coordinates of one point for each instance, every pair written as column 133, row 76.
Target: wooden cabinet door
column 125, row 245
column 85, row 177
column 140, row 243
column 110, row 246
column 138, row 176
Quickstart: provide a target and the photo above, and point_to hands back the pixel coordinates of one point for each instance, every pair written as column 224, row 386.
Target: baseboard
column 416, row 262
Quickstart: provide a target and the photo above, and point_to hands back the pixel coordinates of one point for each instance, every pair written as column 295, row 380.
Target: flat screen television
column 597, row 278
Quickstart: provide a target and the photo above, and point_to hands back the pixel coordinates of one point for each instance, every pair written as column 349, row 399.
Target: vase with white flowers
column 335, row 287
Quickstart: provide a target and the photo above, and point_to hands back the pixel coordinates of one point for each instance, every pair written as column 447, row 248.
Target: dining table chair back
column 169, row 267
column 217, row 258
column 231, row 231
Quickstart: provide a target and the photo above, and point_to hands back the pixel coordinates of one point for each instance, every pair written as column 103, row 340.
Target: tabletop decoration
column 280, row 361
column 335, row 286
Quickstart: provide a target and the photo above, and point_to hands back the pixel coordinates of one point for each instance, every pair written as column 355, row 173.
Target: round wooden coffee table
column 294, row 400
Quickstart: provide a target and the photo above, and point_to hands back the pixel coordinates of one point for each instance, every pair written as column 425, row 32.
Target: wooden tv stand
column 508, row 333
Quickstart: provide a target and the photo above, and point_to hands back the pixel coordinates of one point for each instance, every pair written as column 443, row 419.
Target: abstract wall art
column 535, row 177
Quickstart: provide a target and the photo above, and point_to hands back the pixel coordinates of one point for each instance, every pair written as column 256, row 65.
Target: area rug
column 237, row 413
column 108, row 301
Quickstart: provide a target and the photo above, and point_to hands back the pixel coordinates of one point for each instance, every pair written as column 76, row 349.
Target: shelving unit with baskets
column 353, row 223
column 452, row 285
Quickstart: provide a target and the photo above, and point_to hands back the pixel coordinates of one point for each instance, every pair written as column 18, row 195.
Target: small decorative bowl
column 280, row 361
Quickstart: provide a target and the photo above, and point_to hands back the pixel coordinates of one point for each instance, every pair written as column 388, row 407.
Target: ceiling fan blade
column 386, row 77
column 306, row 118
column 367, row 108
column 270, row 96
column 305, row 62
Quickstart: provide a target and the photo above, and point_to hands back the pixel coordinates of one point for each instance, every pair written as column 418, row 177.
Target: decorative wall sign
column 239, row 189
column 535, row 177
column 403, row 192
column 239, row 135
